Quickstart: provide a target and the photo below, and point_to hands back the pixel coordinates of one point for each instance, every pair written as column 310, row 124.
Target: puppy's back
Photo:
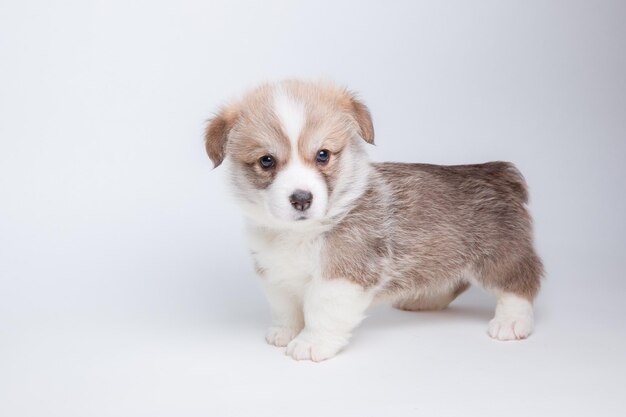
column 468, row 180
column 446, row 218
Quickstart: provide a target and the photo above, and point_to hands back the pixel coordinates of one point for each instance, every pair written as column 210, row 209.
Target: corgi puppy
column 331, row 232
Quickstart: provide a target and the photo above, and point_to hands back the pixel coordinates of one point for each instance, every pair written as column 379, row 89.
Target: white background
column 125, row 285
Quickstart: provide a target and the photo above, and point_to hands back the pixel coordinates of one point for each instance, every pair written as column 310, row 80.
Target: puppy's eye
column 267, row 161
column 323, row 156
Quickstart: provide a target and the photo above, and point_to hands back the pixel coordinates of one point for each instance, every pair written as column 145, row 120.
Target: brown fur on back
column 420, row 228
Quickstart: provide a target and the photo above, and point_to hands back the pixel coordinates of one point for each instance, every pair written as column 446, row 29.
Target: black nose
column 301, row 200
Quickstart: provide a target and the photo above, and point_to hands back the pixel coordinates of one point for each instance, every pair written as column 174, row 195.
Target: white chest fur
column 287, row 258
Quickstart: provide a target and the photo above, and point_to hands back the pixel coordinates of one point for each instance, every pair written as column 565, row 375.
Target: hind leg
column 431, row 301
column 515, row 284
column 513, row 319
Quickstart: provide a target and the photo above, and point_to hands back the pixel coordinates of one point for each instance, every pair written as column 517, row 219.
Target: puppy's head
column 295, row 150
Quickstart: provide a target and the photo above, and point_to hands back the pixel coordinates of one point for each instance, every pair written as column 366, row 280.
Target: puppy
column 331, row 232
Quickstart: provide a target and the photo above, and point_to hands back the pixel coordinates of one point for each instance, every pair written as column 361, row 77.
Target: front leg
column 332, row 309
column 287, row 316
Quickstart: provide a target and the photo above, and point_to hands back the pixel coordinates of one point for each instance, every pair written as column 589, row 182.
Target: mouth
column 299, row 218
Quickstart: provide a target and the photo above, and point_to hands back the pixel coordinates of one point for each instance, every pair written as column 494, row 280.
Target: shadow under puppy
column 331, row 232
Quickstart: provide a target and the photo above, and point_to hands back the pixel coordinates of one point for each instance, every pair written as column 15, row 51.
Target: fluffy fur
column 415, row 235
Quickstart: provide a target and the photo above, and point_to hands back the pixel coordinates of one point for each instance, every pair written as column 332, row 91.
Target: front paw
column 280, row 335
column 306, row 347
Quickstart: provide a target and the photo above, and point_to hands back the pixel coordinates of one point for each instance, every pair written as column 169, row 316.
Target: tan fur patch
column 249, row 129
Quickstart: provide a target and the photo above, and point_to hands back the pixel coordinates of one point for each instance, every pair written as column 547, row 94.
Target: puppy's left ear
column 363, row 118
column 216, row 135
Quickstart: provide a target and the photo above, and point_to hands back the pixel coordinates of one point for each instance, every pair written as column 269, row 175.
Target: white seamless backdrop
column 125, row 284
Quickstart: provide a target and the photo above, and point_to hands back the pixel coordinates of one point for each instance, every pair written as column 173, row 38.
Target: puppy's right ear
column 216, row 135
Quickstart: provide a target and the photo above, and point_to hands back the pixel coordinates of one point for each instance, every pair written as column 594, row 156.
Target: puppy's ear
column 363, row 118
column 216, row 135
